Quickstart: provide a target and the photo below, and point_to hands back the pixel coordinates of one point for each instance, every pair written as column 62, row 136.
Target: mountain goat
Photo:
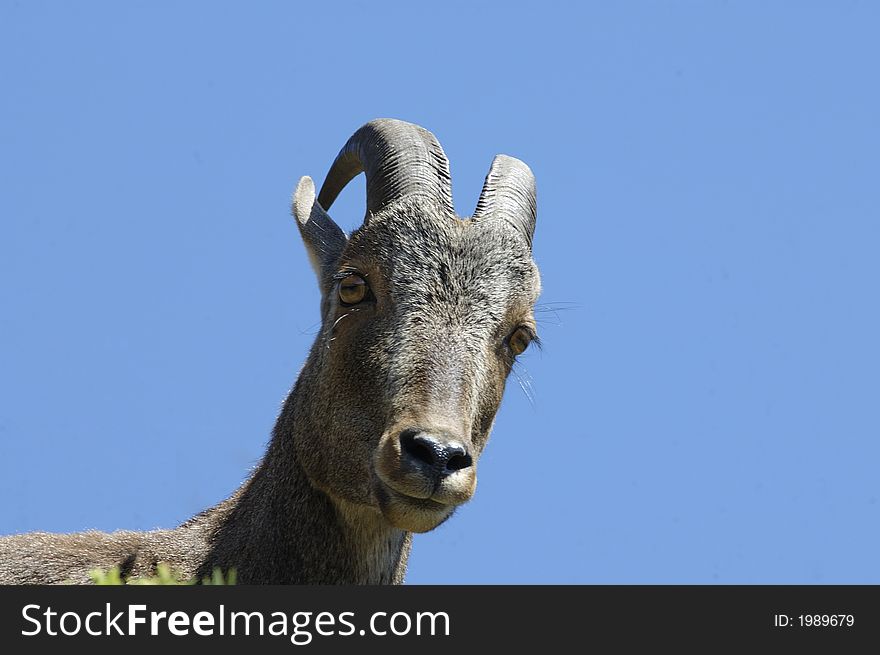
column 423, row 314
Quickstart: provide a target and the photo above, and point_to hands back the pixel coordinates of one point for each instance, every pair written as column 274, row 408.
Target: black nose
column 434, row 453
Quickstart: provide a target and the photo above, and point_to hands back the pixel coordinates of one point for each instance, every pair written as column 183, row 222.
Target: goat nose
column 439, row 453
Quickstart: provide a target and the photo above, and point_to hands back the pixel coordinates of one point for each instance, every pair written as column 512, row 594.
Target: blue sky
column 706, row 404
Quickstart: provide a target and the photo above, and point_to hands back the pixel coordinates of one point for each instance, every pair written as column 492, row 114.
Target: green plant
column 164, row 576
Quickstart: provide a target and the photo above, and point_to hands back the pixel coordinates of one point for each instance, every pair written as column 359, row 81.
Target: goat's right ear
column 324, row 239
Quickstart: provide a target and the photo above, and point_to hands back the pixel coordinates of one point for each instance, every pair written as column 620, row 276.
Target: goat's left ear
column 324, row 239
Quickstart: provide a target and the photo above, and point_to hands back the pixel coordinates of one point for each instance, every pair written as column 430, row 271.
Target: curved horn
column 399, row 159
column 509, row 193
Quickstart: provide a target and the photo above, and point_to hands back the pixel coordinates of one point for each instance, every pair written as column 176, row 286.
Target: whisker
column 525, row 383
column 314, row 328
column 337, row 322
column 553, row 309
column 557, row 306
column 543, row 320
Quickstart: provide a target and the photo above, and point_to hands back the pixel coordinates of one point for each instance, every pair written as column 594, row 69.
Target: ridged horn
column 509, row 194
column 399, row 159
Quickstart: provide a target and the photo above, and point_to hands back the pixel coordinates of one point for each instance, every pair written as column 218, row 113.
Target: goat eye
column 352, row 289
column 519, row 340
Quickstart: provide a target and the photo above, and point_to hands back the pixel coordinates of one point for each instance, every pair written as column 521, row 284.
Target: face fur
column 423, row 317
